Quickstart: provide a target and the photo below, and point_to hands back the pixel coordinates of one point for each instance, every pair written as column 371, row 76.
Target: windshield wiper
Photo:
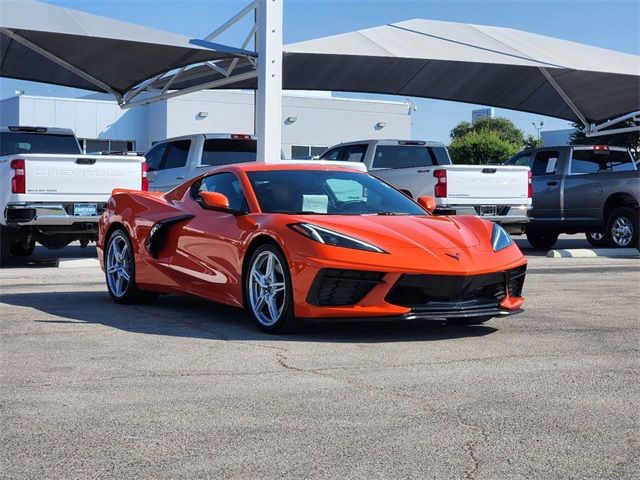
column 392, row 213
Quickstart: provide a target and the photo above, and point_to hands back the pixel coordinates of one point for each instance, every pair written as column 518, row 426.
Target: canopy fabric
column 115, row 55
column 492, row 66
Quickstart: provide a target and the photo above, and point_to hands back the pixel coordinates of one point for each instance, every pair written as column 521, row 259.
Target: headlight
column 329, row 237
column 500, row 239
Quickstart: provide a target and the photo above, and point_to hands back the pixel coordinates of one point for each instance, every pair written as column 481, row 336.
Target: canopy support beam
column 600, row 130
column 564, row 96
column 62, row 63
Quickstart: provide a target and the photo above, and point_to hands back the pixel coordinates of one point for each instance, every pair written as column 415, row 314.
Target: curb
column 78, row 263
column 595, row 252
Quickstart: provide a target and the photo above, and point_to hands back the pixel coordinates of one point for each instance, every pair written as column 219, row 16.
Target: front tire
column 622, row 228
column 541, row 239
column 120, row 271
column 268, row 290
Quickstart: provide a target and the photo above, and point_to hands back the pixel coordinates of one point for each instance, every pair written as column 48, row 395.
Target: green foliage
column 481, row 148
column 628, row 140
column 532, row 142
column 504, row 127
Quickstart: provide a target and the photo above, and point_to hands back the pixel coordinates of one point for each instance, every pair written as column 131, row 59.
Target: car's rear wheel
column 120, row 271
column 5, row 246
column 622, row 228
column 597, row 238
column 268, row 290
column 23, row 249
column 541, row 239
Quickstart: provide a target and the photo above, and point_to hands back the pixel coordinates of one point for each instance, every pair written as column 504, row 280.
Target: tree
column 628, row 140
column 481, row 148
column 532, row 142
column 504, row 127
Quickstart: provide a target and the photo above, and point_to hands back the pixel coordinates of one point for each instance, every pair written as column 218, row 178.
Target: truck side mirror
column 427, row 202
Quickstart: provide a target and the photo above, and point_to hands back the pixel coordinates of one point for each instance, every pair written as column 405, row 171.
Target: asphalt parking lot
column 183, row 388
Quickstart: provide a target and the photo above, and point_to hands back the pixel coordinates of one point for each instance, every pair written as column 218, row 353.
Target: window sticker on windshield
column 315, row 203
column 551, row 165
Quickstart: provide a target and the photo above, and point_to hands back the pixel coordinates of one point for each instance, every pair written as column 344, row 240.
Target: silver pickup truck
column 582, row 189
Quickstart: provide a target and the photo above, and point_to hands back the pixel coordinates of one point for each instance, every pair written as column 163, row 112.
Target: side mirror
column 215, row 201
column 427, row 202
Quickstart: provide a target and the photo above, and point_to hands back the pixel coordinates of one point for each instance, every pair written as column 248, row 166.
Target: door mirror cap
column 427, row 202
column 214, row 200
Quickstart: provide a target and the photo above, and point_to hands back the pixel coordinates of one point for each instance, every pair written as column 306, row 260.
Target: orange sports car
column 288, row 241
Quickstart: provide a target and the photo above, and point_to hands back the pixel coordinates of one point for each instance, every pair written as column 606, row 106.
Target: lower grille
column 342, row 287
column 416, row 291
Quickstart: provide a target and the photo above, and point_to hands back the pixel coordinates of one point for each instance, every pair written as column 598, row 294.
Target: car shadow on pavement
column 181, row 316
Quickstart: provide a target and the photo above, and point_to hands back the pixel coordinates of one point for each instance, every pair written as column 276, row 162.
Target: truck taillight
column 145, row 179
column 529, row 186
column 440, row 189
column 18, row 182
column 240, row 136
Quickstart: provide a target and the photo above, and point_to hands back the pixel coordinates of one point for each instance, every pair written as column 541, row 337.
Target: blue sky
column 606, row 23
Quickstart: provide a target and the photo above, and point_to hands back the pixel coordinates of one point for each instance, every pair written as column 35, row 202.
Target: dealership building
column 311, row 121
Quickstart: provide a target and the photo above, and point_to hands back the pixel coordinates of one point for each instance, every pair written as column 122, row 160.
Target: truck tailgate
column 497, row 185
column 79, row 177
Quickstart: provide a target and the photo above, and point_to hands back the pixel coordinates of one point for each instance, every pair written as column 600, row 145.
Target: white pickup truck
column 53, row 194
column 498, row 193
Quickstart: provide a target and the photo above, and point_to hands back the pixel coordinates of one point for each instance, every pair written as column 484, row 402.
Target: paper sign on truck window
column 315, row 203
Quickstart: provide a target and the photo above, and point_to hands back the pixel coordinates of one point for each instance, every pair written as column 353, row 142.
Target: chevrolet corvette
column 289, row 241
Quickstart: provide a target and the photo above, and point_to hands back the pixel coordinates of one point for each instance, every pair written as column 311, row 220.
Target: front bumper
column 42, row 214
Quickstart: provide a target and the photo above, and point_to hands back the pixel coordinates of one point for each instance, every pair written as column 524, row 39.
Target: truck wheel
column 622, row 228
column 541, row 239
column 23, row 249
column 4, row 246
column 597, row 238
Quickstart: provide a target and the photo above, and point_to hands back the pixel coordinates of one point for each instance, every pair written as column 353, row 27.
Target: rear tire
column 541, row 239
column 23, row 249
column 268, row 290
column 5, row 246
column 622, row 228
column 120, row 271
column 597, row 238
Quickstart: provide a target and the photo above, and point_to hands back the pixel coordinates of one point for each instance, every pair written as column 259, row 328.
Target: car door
column 173, row 169
column 208, row 246
column 583, row 190
column 546, row 178
column 154, row 159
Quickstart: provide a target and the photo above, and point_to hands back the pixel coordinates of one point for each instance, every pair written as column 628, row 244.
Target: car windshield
column 328, row 192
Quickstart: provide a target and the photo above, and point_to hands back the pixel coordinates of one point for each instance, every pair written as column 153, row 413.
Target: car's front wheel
column 622, row 228
column 268, row 290
column 541, row 239
column 120, row 271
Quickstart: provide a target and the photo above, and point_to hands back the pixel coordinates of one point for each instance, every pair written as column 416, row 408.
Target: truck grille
column 342, row 287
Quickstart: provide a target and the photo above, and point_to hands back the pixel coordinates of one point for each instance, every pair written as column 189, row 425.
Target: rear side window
column 225, row 151
column 154, row 156
column 12, row 143
column 545, row 163
column 354, row 153
column 333, row 154
column 521, row 160
column 177, row 153
column 594, row 161
column 405, row 156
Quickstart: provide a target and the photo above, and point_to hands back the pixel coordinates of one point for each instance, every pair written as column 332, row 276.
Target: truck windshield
column 407, row 156
column 13, row 143
column 225, row 151
column 328, row 192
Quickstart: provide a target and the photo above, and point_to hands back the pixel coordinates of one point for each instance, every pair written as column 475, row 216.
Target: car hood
column 386, row 231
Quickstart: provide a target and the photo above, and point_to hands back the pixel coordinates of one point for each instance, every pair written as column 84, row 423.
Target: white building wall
column 320, row 120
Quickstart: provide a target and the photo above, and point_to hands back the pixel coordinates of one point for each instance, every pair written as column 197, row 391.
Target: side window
column 177, row 153
column 521, row 160
column 354, row 153
column 594, row 161
column 228, row 185
column 334, row 154
column 154, row 156
column 545, row 163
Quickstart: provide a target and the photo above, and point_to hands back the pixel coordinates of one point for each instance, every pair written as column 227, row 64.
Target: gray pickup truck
column 582, row 189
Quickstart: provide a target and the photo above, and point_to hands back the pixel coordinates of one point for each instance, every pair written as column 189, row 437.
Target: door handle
column 552, row 183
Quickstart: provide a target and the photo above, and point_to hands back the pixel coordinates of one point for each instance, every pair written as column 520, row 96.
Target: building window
column 92, row 145
column 305, row 151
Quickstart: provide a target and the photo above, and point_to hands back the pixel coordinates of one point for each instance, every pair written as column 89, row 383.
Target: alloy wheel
column 267, row 288
column 118, row 264
column 622, row 231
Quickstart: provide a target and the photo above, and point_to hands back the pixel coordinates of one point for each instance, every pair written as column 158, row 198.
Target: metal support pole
column 268, row 111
